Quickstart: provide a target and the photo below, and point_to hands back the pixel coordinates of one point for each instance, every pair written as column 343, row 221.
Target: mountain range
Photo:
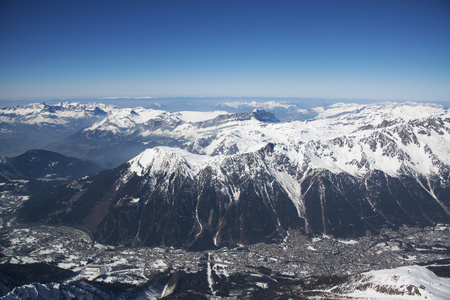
column 209, row 179
column 35, row 125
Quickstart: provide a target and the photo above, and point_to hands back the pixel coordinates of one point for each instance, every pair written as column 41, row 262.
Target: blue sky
column 393, row 49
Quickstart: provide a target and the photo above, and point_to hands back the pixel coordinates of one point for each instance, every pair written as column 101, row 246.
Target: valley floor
column 239, row 271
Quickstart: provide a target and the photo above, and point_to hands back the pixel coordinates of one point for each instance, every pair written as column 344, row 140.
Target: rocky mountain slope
column 35, row 173
column 43, row 165
column 226, row 179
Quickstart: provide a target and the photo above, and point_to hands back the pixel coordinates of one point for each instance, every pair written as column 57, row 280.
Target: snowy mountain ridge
column 58, row 113
column 390, row 139
column 61, row 113
column 351, row 138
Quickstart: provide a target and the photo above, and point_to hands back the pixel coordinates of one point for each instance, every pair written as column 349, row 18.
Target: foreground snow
column 410, row 282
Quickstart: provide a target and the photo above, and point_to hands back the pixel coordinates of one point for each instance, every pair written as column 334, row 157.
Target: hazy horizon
column 204, row 103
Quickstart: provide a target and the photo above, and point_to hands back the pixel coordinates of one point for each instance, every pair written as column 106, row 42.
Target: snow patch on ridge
column 199, row 116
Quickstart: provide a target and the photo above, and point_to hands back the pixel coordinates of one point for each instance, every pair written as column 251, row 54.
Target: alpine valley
column 273, row 201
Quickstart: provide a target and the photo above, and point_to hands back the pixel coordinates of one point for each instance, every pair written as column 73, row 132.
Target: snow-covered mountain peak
column 155, row 160
column 167, row 160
